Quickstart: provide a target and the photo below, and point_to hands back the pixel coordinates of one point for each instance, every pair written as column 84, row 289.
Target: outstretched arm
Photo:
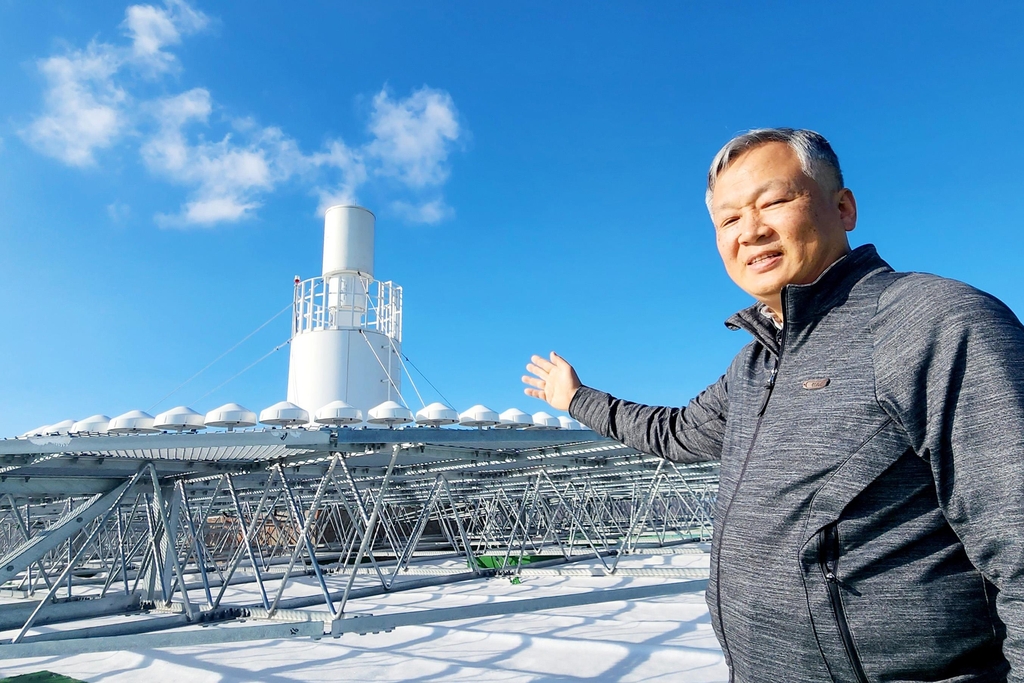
column 689, row 434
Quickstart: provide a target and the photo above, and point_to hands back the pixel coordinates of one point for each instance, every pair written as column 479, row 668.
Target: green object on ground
column 40, row 677
column 496, row 561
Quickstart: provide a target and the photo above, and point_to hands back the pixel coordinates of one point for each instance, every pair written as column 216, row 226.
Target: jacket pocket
column 828, row 563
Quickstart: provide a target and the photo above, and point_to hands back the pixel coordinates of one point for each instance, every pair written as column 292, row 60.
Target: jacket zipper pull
column 769, row 386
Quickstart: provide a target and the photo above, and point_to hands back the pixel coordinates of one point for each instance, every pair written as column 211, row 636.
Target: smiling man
column 777, row 225
column 870, row 516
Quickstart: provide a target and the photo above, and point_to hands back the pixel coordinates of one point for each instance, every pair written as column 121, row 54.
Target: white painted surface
column 348, row 240
column 94, row 423
column 346, row 327
column 662, row 639
column 436, row 415
column 513, row 418
column 132, row 422
column 479, row 416
column 569, row 423
column 342, row 365
column 231, row 415
column 338, row 413
column 180, row 418
column 61, row 428
column 544, row 420
column 284, row 414
column 389, row 413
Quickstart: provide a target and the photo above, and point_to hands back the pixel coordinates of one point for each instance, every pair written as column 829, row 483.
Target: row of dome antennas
column 284, row 414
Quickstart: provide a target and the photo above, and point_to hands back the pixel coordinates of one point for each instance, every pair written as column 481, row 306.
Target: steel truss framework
column 165, row 527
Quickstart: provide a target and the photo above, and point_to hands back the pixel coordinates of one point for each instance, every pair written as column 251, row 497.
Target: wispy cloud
column 153, row 28
column 89, row 107
column 226, row 175
column 413, row 137
column 348, row 165
column 429, row 212
column 84, row 108
column 118, row 212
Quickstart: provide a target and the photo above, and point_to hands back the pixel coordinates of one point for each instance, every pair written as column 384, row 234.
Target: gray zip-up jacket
column 870, row 516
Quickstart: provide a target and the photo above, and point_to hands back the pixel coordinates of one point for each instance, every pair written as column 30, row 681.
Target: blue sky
column 537, row 172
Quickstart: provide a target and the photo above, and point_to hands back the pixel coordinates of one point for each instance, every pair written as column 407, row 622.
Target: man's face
column 774, row 225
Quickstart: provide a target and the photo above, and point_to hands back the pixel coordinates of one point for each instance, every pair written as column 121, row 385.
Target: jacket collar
column 805, row 303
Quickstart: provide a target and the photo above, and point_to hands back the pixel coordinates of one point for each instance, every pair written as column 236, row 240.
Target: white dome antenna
column 436, row 415
column 132, row 422
column 94, row 424
column 38, row 431
column 338, row 414
column 569, row 423
column 179, row 419
column 62, row 428
column 230, row 415
column 389, row 413
column 284, row 414
column 479, row 416
column 513, row 418
column 543, row 420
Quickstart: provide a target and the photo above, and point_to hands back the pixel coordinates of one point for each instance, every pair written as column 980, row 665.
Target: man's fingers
column 534, row 393
column 533, row 382
column 541, row 363
column 557, row 360
column 531, row 368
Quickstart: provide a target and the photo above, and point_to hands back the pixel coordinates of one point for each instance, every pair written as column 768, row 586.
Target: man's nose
column 753, row 228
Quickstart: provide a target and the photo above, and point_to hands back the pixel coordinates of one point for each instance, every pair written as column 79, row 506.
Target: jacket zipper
column 828, row 560
column 768, row 387
column 764, row 404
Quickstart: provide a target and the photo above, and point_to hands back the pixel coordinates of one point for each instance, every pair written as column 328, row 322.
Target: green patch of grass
column 496, row 562
column 40, row 677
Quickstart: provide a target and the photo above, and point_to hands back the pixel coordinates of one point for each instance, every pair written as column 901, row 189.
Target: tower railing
column 347, row 302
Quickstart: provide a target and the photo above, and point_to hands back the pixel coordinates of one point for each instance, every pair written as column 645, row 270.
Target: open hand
column 554, row 381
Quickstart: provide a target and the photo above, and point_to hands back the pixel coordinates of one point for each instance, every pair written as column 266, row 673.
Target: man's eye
column 728, row 222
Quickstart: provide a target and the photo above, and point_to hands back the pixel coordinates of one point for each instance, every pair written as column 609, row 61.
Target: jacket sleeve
column 691, row 434
column 949, row 364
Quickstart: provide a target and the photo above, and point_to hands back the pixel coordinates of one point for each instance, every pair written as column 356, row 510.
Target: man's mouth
column 763, row 258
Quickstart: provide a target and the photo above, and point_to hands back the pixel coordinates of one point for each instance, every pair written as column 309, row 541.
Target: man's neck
column 772, row 307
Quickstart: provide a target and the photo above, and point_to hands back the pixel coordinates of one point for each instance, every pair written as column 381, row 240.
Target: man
column 870, row 519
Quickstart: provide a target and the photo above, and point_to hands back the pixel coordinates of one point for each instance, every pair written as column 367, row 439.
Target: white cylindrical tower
column 346, row 326
column 348, row 241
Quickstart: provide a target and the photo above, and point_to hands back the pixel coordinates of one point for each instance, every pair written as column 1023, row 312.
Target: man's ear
column 846, row 203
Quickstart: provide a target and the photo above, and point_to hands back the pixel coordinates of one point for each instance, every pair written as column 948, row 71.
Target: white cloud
column 228, row 176
column 153, row 28
column 430, row 212
column 225, row 174
column 167, row 151
column 229, row 165
column 84, row 108
column 413, row 137
column 346, row 163
column 216, row 209
column 118, row 211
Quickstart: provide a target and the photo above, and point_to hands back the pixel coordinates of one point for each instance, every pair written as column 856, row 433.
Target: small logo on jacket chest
column 813, row 384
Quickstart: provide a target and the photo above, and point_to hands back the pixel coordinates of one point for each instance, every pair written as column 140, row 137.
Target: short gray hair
column 817, row 159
